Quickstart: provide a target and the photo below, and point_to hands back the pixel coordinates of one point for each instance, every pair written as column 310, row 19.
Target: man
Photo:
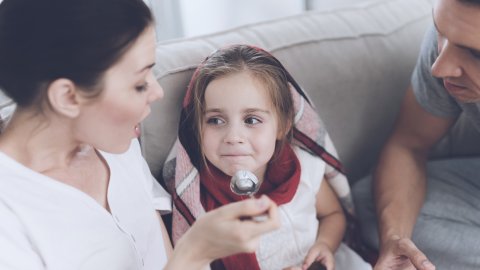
column 438, row 226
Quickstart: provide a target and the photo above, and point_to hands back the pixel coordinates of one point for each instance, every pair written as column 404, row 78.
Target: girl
column 75, row 192
column 243, row 111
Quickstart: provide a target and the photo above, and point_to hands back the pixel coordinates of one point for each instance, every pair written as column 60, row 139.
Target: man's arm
column 399, row 180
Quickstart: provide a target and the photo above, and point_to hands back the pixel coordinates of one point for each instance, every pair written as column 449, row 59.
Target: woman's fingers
column 244, row 211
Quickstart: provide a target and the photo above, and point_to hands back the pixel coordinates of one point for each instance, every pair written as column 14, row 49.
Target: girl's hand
column 322, row 253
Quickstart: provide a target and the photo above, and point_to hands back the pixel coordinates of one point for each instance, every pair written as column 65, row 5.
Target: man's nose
column 448, row 61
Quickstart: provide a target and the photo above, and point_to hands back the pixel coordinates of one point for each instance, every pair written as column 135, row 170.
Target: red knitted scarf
column 280, row 184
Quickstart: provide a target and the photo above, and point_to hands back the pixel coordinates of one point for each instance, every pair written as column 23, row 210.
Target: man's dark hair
column 471, row 1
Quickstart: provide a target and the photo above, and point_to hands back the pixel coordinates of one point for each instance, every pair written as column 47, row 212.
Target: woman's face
column 111, row 121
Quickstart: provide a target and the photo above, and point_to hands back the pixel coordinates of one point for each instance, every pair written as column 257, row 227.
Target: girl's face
column 111, row 121
column 240, row 126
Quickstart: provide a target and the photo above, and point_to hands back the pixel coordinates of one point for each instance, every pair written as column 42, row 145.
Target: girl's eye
column 142, row 88
column 215, row 121
column 252, row 120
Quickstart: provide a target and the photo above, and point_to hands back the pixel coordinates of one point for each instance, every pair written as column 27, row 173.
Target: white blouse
column 45, row 224
column 289, row 245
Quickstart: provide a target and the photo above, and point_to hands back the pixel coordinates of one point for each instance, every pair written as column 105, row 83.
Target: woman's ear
column 62, row 96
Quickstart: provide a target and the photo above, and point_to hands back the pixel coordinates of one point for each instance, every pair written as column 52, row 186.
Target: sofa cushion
column 354, row 62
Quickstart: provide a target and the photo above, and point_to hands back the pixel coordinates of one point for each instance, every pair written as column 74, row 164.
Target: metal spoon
column 243, row 183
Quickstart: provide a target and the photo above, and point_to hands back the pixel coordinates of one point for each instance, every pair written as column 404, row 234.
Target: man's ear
column 62, row 96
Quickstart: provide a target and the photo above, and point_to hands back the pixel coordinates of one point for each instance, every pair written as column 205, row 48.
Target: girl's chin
column 233, row 169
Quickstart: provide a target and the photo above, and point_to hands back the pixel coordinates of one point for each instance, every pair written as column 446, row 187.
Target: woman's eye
column 142, row 88
column 215, row 121
column 252, row 120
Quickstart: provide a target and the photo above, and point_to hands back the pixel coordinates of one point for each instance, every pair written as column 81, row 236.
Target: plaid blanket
column 183, row 181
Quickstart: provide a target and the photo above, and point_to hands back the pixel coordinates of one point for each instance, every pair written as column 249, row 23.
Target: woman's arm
column 223, row 232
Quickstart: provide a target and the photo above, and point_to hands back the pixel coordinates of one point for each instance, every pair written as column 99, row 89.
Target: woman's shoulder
column 11, row 169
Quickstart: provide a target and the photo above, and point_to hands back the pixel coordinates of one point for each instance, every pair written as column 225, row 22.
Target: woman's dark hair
column 43, row 40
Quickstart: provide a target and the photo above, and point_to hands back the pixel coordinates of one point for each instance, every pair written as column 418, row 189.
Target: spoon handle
column 261, row 217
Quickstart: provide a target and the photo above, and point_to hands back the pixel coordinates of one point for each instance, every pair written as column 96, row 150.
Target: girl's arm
column 330, row 214
column 331, row 228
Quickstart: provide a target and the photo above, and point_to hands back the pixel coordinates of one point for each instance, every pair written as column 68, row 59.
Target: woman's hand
column 224, row 231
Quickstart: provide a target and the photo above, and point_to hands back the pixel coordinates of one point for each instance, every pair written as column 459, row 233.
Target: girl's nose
column 233, row 135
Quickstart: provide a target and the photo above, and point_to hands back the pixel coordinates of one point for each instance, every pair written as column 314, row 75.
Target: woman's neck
column 42, row 142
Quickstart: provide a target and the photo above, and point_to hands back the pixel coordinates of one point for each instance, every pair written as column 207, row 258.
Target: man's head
column 458, row 62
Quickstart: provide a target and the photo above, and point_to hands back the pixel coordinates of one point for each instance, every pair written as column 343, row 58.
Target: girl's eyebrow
column 249, row 110
column 213, row 110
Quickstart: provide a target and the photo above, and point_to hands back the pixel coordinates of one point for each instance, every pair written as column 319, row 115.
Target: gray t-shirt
column 430, row 92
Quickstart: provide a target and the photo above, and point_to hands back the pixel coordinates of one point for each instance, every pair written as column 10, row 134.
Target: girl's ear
column 62, row 96
column 284, row 132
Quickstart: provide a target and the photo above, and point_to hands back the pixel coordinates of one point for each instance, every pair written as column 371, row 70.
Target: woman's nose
column 156, row 92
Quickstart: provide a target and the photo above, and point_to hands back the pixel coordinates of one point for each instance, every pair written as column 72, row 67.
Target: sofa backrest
column 355, row 63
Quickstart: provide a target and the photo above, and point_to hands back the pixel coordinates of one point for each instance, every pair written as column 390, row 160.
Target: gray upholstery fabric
column 354, row 62
column 447, row 228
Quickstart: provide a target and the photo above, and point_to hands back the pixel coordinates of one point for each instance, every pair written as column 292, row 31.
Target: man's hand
column 402, row 254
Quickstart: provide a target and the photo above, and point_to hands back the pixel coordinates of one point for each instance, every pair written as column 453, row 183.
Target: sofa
column 354, row 62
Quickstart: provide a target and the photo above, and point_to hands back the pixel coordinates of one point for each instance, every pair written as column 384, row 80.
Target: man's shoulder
column 429, row 91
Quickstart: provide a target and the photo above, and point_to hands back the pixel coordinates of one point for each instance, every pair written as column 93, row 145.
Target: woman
column 75, row 192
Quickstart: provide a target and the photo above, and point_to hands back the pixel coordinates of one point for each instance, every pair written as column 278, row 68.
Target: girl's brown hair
column 260, row 64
